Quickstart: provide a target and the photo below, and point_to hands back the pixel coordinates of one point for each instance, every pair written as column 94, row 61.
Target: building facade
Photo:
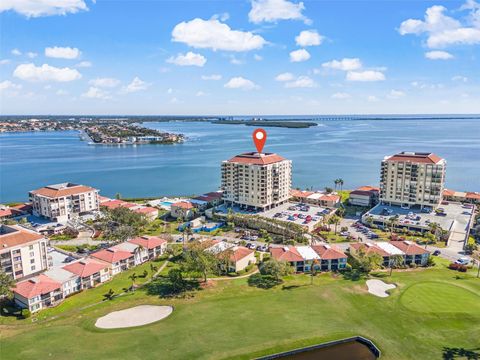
column 412, row 179
column 63, row 202
column 23, row 252
column 256, row 180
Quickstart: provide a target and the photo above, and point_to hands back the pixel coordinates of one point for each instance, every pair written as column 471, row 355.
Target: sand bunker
column 379, row 288
column 136, row 316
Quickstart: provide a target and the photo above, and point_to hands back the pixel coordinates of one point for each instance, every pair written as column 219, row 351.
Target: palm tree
column 395, row 262
column 109, row 295
column 336, row 183
column 340, row 182
column 334, row 220
column 392, row 222
column 313, row 270
column 133, row 277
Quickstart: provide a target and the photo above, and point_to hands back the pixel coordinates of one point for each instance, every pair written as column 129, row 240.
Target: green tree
column 177, row 282
column 133, row 277
column 198, row 261
column 275, row 268
column 365, row 263
column 334, row 220
column 395, row 262
column 6, row 284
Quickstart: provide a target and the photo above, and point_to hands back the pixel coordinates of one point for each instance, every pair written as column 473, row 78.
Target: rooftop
column 60, row 190
column 415, row 157
column 328, row 252
column 256, row 158
column 286, row 253
column 183, row 204
column 38, row 285
column 112, row 255
column 15, row 235
column 148, row 242
column 85, row 267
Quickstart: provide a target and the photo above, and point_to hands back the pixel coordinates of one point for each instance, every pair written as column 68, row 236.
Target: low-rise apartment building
column 461, row 196
column 319, row 198
column 64, row 202
column 182, row 209
column 23, row 252
column 408, row 250
column 153, row 246
column 38, row 293
column 257, row 181
column 365, row 196
column 90, row 271
column 412, row 179
column 331, row 257
column 119, row 260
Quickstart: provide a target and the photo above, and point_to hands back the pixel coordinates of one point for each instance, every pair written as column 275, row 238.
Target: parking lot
column 301, row 214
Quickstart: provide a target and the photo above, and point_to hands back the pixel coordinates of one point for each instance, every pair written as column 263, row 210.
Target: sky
column 235, row 57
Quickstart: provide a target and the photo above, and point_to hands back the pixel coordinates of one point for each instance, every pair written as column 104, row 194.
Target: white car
column 463, row 261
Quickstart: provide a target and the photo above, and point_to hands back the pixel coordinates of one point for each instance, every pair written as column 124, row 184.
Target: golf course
column 431, row 312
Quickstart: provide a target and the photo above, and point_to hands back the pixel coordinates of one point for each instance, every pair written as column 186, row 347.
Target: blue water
column 351, row 150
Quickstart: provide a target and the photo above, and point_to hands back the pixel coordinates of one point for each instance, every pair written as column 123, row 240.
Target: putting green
column 437, row 297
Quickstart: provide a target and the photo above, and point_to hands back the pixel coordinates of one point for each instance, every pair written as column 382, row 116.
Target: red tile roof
column 52, row 192
column 328, row 252
column 146, row 210
column 14, row 235
column 148, row 242
column 286, row 253
column 112, row 255
column 211, row 196
column 300, row 193
column 331, row 197
column 473, row 195
column 183, row 204
column 425, row 158
column 368, row 188
column 6, row 212
column 113, row 204
column 39, row 285
column 369, row 248
column 86, row 267
column 256, row 158
column 448, row 192
column 239, row 253
column 409, row 247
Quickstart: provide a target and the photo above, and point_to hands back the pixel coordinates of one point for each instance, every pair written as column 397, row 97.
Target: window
column 32, row 261
column 32, row 268
column 30, row 247
column 32, row 254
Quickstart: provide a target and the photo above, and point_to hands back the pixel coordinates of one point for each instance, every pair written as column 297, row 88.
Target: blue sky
column 239, row 57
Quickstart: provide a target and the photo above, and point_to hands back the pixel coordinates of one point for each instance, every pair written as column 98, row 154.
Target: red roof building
column 415, row 157
column 39, row 285
column 86, row 267
column 369, row 248
column 328, row 252
column 409, row 247
column 148, row 242
column 112, row 255
column 186, row 205
column 286, row 253
column 256, row 158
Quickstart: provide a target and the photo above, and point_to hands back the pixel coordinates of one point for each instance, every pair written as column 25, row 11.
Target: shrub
column 263, row 281
column 462, row 268
column 453, row 266
column 26, row 313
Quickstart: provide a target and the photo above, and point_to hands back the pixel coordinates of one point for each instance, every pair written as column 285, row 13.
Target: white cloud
column 60, row 52
column 4, row 61
column 341, row 96
column 97, row 93
column 37, row 8
column 189, row 59
column 104, row 82
column 422, row 85
column 32, row 55
column 169, row 91
column 30, row 72
column 372, row 98
column 240, row 83
column 301, row 82
column 136, row 85
column 200, row 93
column 309, row 38
column 367, row 75
column 395, row 94
column 257, row 57
column 442, row 30
column 8, row 85
column 274, row 10
column 16, row 52
column 299, row 55
column 212, row 77
column 212, row 34
column 284, row 77
column 84, row 64
column 346, row 64
column 460, row 78
column 235, row 61
column 438, row 55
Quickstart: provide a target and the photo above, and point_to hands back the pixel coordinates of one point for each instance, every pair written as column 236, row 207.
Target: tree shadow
column 162, row 287
column 263, row 281
column 460, row 353
column 291, row 287
column 380, row 275
column 353, row 275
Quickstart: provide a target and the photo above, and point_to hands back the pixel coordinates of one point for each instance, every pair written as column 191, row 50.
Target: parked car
column 436, row 253
column 68, row 259
column 463, row 261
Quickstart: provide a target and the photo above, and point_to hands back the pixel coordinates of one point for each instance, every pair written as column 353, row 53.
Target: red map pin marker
column 259, row 138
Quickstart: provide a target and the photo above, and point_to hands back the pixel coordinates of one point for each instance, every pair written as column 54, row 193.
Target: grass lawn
column 430, row 309
column 330, row 236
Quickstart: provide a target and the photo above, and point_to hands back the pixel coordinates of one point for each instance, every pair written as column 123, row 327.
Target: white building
column 23, row 252
column 63, row 202
column 412, row 179
column 256, row 180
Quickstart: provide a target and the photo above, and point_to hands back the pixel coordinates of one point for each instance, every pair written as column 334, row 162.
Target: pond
column 347, row 349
